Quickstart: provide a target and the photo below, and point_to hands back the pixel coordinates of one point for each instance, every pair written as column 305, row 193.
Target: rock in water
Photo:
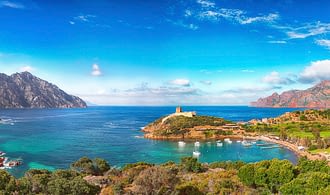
column 24, row 90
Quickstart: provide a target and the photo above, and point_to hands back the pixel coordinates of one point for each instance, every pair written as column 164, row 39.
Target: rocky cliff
column 317, row 96
column 23, row 90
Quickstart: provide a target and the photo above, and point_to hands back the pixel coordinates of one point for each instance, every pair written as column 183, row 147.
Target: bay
column 54, row 138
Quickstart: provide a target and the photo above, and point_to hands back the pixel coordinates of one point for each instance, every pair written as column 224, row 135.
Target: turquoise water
column 54, row 138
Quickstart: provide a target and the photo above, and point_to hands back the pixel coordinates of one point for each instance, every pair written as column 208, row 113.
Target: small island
column 188, row 125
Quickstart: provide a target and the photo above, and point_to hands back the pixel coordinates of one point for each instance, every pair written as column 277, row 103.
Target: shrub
column 85, row 165
column 155, row 180
column 191, row 164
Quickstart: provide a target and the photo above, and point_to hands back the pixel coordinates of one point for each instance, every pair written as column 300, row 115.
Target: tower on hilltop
column 178, row 109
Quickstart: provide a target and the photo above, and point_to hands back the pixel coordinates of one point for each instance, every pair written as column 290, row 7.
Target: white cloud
column 205, row 3
column 71, row 22
column 11, row 4
column 96, row 71
column 84, row 18
column 188, row 13
column 266, row 18
column 316, row 71
column 275, row 78
column 180, row 82
column 206, row 82
column 324, row 43
column 184, row 25
column 26, row 69
column 235, row 15
column 305, row 30
column 277, row 42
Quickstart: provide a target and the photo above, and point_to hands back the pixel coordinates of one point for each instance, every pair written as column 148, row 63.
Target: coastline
column 290, row 146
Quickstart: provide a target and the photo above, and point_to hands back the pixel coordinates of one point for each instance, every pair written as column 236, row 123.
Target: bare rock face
column 314, row 97
column 23, row 90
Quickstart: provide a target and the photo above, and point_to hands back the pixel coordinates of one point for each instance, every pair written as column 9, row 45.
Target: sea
column 54, row 138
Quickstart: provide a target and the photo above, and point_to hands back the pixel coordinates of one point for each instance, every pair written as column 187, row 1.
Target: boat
column 219, row 144
column 13, row 163
column 246, row 143
column 227, row 140
column 181, row 143
column 2, row 153
column 197, row 144
column 138, row 136
column 238, row 141
column 196, row 153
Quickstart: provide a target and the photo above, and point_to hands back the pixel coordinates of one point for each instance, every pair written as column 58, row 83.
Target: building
column 178, row 112
column 178, row 109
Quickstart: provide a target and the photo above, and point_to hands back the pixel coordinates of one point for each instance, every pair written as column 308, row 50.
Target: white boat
column 197, row 144
column 227, row 140
column 238, row 141
column 2, row 153
column 219, row 144
column 181, row 144
column 218, row 141
column 246, row 144
column 196, row 153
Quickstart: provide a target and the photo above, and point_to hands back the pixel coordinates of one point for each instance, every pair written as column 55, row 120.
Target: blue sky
column 168, row 52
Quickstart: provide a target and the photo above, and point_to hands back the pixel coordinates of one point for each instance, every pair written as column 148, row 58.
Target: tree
column 85, row 165
column 191, row 164
column 307, row 183
column 304, row 165
column 69, row 182
column 283, row 134
column 101, row 165
column 5, row 178
column 279, row 173
column 246, row 174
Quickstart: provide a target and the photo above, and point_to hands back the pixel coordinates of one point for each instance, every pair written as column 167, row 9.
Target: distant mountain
column 314, row 97
column 23, row 90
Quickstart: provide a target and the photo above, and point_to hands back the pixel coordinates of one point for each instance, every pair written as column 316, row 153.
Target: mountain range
column 24, row 90
column 317, row 96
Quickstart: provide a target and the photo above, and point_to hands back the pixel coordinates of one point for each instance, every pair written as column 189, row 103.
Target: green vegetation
column 188, row 177
column 91, row 167
column 44, row 182
column 179, row 125
column 191, row 164
column 310, row 128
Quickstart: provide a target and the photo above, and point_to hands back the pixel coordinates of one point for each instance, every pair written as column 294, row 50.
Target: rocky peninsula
column 188, row 125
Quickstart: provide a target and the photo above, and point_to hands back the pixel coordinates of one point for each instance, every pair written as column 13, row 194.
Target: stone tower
column 178, row 109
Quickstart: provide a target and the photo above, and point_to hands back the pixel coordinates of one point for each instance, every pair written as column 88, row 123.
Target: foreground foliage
column 92, row 177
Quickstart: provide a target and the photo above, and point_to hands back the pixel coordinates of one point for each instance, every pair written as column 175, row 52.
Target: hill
column 24, row 90
column 317, row 96
column 183, row 125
